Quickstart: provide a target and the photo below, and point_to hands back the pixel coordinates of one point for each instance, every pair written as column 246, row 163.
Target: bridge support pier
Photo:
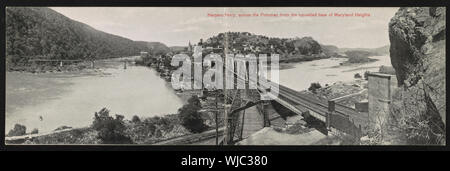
column 262, row 109
column 331, row 108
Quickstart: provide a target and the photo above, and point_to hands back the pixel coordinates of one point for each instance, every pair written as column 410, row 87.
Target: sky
column 176, row 26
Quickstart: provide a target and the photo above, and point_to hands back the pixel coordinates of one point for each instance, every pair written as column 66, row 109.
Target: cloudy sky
column 176, row 26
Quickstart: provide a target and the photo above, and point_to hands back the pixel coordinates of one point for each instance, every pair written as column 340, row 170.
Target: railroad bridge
column 334, row 116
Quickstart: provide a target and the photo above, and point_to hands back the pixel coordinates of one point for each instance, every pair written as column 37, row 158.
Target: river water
column 47, row 101
column 299, row 76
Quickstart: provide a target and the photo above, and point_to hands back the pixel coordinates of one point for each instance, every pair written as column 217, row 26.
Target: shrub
column 297, row 128
column 314, row 86
column 110, row 130
column 135, row 119
column 35, row 131
column 357, row 75
column 62, row 128
column 416, row 117
column 18, row 130
column 190, row 117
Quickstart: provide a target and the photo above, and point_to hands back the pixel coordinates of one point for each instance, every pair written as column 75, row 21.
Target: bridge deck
column 301, row 102
column 341, row 109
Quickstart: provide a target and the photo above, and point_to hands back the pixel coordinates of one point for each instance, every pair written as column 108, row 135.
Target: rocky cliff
column 417, row 36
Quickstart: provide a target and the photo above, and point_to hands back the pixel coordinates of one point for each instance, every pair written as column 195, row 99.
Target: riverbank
column 150, row 130
column 302, row 58
column 55, row 66
column 142, row 131
column 50, row 67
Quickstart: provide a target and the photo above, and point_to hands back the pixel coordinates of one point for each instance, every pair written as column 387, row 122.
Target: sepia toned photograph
column 218, row 76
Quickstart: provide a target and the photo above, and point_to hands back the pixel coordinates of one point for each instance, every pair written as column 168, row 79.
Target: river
column 50, row 100
column 299, row 76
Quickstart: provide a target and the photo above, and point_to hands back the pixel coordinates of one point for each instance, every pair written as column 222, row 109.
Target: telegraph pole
column 225, row 99
column 217, row 119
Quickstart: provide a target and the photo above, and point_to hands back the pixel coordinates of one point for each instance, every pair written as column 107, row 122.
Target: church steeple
column 190, row 46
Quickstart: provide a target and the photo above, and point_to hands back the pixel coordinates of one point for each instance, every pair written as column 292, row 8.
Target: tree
column 135, row 119
column 190, row 118
column 314, row 86
column 110, row 130
column 34, row 131
column 18, row 130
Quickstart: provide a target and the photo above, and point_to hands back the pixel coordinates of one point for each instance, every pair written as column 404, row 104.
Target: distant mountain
column 153, row 47
column 384, row 50
column 177, row 49
column 330, row 50
column 40, row 32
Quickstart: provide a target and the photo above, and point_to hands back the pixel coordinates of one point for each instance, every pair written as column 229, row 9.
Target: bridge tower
column 380, row 88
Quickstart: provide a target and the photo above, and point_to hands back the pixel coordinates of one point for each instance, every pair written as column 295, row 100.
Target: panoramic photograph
column 213, row 76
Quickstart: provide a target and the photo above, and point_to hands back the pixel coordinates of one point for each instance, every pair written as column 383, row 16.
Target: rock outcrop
column 417, row 36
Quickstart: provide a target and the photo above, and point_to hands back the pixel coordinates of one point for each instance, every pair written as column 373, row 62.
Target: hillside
column 39, row 32
column 330, row 50
column 245, row 43
column 153, row 47
column 178, row 49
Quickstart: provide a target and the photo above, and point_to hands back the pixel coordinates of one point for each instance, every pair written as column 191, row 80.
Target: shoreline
column 67, row 67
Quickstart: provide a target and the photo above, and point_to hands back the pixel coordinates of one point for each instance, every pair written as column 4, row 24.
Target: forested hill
column 44, row 33
column 245, row 42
